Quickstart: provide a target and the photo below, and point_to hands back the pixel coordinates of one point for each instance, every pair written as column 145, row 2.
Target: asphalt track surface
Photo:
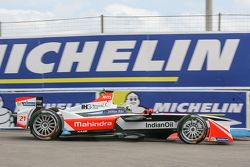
column 21, row 149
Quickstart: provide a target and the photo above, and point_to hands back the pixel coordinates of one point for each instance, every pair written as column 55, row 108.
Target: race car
column 102, row 117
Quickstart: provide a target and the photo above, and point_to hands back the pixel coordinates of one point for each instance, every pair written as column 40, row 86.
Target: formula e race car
column 102, row 117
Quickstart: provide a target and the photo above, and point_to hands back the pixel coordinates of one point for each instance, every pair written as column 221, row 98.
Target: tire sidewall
column 180, row 128
column 58, row 129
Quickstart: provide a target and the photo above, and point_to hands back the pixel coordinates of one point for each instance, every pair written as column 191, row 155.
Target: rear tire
column 46, row 125
column 192, row 129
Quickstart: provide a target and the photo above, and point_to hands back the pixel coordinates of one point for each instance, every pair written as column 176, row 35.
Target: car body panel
column 101, row 115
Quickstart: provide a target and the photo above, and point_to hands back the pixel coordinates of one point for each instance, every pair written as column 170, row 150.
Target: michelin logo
column 117, row 56
column 198, row 107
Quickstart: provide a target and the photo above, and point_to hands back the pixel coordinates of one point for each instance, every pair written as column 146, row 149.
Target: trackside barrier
column 204, row 73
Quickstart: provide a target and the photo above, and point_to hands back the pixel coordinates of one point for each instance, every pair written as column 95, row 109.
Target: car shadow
column 18, row 135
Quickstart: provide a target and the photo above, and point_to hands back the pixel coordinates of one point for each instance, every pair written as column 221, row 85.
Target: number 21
column 22, row 118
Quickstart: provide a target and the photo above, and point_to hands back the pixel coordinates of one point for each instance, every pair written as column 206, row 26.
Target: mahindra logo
column 92, row 124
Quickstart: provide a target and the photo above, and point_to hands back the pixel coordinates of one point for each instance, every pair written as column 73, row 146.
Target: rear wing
column 25, row 106
column 29, row 101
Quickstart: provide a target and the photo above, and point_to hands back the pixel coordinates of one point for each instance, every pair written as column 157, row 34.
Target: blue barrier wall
column 232, row 105
column 146, row 60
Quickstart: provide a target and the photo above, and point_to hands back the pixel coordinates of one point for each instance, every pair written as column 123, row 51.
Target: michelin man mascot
column 133, row 102
column 6, row 119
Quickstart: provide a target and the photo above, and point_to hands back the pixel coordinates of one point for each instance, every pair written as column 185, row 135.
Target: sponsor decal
column 107, row 97
column 222, row 139
column 100, row 123
column 168, row 124
column 204, row 49
column 86, row 106
column 115, row 111
column 146, row 124
column 27, row 103
column 82, row 131
column 92, row 124
column 97, row 106
column 198, row 107
column 189, row 60
column 104, row 97
column 93, row 106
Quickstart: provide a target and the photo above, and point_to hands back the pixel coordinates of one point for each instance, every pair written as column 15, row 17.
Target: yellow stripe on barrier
column 85, row 80
column 218, row 115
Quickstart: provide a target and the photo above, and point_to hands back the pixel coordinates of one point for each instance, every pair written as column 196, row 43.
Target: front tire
column 192, row 129
column 46, row 125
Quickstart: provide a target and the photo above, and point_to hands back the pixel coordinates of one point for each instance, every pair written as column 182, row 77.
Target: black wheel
column 192, row 129
column 46, row 125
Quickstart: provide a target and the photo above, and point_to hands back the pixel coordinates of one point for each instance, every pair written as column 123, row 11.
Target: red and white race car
column 102, row 117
